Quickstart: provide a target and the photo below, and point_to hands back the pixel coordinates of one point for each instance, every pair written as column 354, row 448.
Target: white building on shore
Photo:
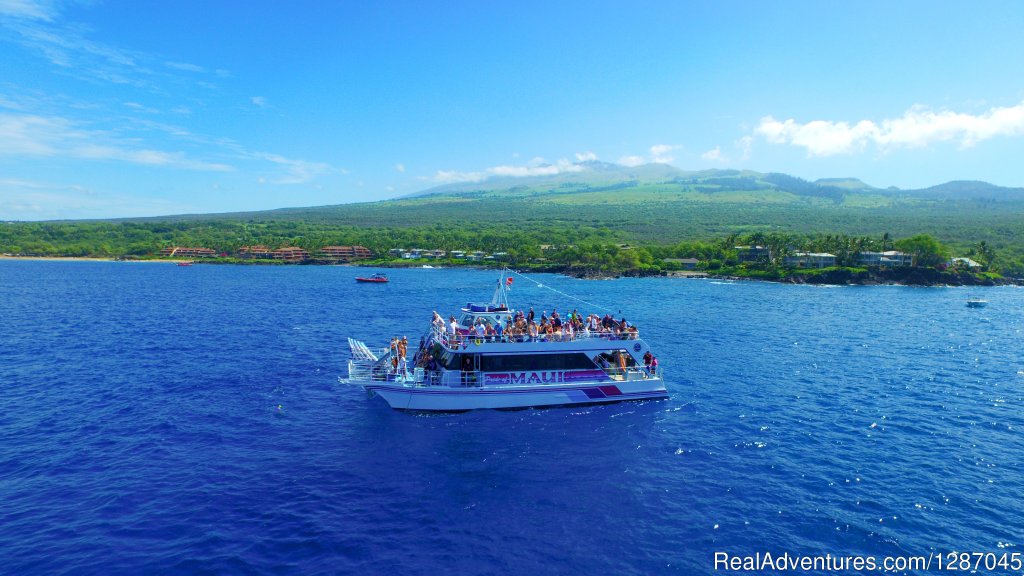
column 810, row 260
column 888, row 259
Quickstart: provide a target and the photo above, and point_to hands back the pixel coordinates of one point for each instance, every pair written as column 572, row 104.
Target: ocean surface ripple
column 166, row 420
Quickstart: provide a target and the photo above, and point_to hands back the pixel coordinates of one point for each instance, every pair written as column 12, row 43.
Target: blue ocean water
column 164, row 420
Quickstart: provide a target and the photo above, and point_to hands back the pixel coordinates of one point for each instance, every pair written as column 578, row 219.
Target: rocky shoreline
column 901, row 277
column 838, row 277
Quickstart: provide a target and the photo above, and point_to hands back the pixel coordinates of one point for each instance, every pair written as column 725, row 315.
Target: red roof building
column 291, row 254
column 182, row 252
column 346, row 252
column 258, row 251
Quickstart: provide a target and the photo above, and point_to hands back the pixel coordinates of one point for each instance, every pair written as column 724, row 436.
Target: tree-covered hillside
column 601, row 204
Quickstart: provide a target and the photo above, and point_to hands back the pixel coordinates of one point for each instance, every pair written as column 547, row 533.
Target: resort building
column 888, row 259
column 810, row 260
column 963, row 263
column 415, row 253
column 291, row 254
column 257, row 251
column 753, row 253
column 182, row 252
column 346, row 252
column 684, row 263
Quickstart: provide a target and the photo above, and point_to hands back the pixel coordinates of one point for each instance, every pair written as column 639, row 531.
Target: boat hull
column 451, row 399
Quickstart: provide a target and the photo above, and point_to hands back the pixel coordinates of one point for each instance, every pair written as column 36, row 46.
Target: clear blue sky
column 137, row 108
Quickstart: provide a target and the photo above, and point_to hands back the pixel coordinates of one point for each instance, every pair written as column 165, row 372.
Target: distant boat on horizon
column 184, row 263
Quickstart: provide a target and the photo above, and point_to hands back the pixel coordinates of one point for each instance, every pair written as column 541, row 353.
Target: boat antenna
column 570, row 296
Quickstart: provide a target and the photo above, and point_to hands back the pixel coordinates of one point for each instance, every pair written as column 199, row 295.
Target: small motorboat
column 976, row 303
column 376, row 278
column 186, row 263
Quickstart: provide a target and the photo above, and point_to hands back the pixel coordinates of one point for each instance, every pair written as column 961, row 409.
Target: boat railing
column 363, row 370
column 460, row 339
column 366, row 369
column 630, row 373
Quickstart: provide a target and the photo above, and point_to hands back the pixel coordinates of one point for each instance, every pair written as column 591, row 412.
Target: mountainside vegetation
column 658, row 210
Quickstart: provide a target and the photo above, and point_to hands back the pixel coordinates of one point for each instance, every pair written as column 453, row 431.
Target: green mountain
column 970, row 190
column 661, row 203
column 854, row 184
column 595, row 177
column 585, row 203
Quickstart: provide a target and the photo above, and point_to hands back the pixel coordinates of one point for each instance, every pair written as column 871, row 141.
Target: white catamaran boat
column 486, row 359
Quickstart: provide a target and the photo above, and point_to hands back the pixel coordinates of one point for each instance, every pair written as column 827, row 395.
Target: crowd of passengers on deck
column 524, row 327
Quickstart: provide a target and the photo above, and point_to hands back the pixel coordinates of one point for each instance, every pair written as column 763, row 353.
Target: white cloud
column 632, row 161
column 714, row 155
column 536, row 167
column 31, row 9
column 400, row 167
column 587, row 156
column 744, row 145
column 30, row 135
column 917, row 128
column 259, row 101
column 30, row 200
column 184, row 66
column 38, row 26
column 660, row 153
column 453, row 176
column 296, row 171
column 67, row 47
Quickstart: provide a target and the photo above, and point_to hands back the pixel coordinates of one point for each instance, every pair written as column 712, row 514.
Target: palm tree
column 985, row 254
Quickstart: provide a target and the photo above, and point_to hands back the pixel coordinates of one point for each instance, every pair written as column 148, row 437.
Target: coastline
column 87, row 259
column 924, row 277
column 916, row 277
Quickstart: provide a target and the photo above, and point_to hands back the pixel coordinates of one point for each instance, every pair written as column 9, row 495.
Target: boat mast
column 501, row 291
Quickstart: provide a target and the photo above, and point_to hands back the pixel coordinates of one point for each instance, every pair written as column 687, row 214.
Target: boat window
column 533, row 362
column 613, row 358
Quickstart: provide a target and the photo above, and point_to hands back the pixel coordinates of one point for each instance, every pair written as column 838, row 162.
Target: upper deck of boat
column 578, row 341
